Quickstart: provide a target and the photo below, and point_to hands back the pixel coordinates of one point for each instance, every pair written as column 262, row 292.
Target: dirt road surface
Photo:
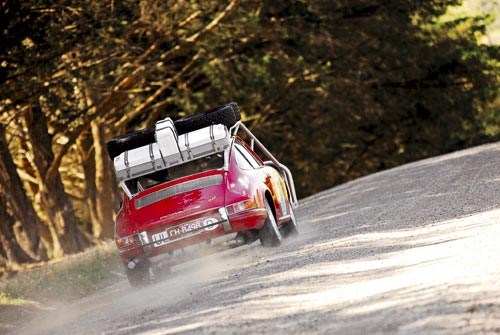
column 412, row 250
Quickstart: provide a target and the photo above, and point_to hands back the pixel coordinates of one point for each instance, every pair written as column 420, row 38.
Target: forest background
column 336, row 89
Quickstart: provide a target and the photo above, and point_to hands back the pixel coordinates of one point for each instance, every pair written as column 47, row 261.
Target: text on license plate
column 172, row 233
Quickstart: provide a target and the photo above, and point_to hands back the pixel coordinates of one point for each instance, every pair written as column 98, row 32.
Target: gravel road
column 412, row 250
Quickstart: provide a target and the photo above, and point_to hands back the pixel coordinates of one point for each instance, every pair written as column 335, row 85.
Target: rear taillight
column 127, row 241
column 241, row 206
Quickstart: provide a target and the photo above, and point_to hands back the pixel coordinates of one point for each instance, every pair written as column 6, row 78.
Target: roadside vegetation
column 73, row 277
column 337, row 89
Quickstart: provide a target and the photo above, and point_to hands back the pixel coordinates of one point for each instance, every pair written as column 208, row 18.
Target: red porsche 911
column 195, row 186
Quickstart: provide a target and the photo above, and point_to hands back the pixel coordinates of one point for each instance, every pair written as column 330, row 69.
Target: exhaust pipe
column 131, row 265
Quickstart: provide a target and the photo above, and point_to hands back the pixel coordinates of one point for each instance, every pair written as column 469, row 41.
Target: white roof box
column 203, row 142
column 170, row 149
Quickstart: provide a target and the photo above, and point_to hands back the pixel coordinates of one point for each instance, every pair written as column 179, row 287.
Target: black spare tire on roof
column 227, row 115
column 130, row 141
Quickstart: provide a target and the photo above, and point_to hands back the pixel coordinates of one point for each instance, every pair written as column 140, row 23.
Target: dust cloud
column 121, row 300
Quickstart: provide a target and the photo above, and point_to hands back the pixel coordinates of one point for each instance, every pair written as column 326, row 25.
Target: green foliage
column 349, row 88
column 338, row 89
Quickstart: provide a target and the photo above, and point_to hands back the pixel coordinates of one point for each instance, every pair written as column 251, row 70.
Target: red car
column 197, row 190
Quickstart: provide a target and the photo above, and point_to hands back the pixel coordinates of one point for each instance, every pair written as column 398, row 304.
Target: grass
column 74, row 277
column 6, row 300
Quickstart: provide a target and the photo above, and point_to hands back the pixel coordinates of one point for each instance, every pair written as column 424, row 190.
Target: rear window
column 246, row 160
column 212, row 162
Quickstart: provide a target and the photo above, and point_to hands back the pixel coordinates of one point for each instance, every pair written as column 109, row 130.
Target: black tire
column 290, row 228
column 269, row 234
column 130, row 141
column 161, row 272
column 227, row 115
column 140, row 275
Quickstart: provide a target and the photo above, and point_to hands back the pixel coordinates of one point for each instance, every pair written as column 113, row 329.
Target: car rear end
column 187, row 214
column 185, row 208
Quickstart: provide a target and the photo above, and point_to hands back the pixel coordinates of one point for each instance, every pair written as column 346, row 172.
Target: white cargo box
column 203, row 142
column 137, row 162
column 170, row 149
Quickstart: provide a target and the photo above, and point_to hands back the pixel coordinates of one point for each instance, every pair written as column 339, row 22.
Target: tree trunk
column 86, row 150
column 13, row 251
column 67, row 238
column 20, row 204
column 103, row 182
column 32, row 186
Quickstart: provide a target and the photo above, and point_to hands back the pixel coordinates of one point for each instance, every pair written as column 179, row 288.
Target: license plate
column 184, row 230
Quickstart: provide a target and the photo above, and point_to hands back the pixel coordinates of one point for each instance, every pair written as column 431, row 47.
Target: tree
column 73, row 92
column 21, row 211
column 337, row 89
column 342, row 89
column 10, row 250
column 66, row 237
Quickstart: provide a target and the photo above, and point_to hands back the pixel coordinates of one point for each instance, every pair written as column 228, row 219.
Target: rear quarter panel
column 244, row 184
column 276, row 187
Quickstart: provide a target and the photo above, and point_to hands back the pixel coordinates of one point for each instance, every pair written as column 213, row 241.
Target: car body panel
column 165, row 218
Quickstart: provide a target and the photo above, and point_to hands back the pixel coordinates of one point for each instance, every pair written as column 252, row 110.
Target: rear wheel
column 140, row 275
column 291, row 228
column 270, row 235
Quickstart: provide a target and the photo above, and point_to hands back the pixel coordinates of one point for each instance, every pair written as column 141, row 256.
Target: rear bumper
column 201, row 230
column 248, row 219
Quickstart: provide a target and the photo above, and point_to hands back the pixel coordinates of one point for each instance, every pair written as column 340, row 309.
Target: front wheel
column 270, row 235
